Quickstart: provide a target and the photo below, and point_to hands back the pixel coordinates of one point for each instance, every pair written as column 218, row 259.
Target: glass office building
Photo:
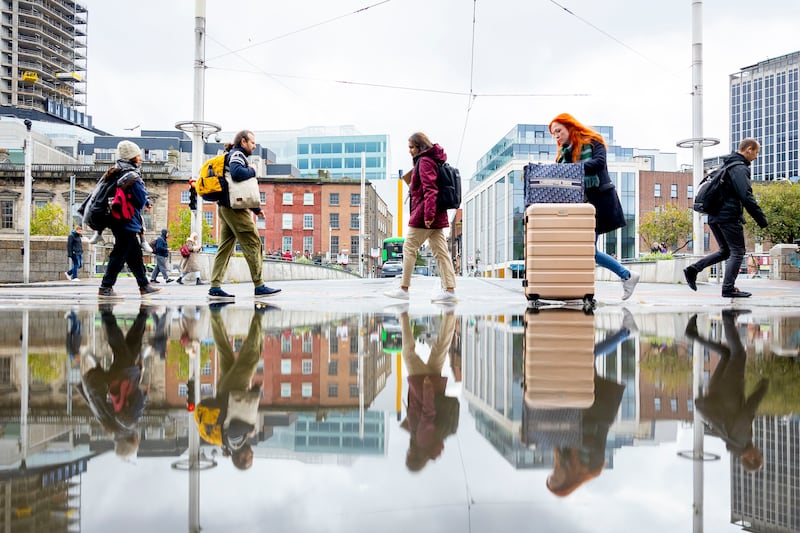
column 495, row 204
column 764, row 104
column 341, row 155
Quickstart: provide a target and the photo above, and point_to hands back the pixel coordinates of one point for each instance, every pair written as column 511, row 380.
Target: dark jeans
column 127, row 249
column 161, row 266
column 730, row 238
column 77, row 263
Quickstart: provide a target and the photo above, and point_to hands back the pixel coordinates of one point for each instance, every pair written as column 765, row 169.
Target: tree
column 49, row 220
column 780, row 201
column 671, row 226
column 180, row 229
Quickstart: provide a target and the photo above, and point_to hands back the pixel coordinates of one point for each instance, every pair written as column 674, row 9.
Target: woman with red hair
column 578, row 143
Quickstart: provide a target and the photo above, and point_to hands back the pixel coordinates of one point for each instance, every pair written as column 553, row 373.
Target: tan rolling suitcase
column 559, row 252
column 559, row 381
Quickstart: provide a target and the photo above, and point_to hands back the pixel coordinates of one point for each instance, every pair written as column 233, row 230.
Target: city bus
column 392, row 249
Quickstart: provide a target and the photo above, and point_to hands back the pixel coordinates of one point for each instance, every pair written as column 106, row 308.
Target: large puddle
column 182, row 418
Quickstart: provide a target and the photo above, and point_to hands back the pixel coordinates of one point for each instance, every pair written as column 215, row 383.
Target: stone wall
column 49, row 262
column 784, row 262
column 48, row 259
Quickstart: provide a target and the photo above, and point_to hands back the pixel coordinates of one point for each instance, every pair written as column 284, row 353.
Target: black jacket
column 608, row 209
column 74, row 244
column 739, row 195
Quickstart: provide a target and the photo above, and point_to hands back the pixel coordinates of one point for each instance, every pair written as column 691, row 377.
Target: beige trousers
column 438, row 243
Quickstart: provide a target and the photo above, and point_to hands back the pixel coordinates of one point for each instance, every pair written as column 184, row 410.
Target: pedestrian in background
column 75, row 252
column 238, row 225
column 127, row 243
column 190, row 265
column 727, row 226
column 161, row 253
column 578, row 143
column 426, row 221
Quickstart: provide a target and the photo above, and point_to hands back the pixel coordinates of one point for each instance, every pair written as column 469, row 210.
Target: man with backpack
column 237, row 224
column 727, row 224
column 161, row 253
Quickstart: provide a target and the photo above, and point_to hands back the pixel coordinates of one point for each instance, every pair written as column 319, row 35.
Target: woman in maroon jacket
column 426, row 221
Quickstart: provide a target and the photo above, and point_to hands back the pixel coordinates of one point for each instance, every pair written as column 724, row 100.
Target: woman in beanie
column 127, row 247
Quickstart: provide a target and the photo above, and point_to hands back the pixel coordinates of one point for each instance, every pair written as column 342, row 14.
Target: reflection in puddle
column 413, row 406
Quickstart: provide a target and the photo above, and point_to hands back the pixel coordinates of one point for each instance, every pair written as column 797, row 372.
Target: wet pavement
column 331, row 407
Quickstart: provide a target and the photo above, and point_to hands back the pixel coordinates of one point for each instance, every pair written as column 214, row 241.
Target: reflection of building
column 770, row 500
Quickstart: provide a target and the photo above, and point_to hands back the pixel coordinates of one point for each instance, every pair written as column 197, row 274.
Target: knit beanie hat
column 127, row 150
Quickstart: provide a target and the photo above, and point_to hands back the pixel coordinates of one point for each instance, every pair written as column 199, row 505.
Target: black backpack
column 96, row 209
column 449, row 185
column 712, row 190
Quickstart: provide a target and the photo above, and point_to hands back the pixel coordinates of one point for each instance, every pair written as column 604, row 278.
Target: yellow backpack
column 208, row 424
column 209, row 183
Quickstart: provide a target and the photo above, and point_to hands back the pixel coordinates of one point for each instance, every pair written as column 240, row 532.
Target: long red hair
column 578, row 134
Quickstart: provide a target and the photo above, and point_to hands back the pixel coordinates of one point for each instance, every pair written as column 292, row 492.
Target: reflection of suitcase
column 559, row 252
column 558, row 375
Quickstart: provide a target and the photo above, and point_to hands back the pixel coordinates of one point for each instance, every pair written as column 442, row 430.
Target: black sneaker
column 736, row 293
column 216, row 307
column 170, row 280
column 690, row 273
column 215, row 293
column 180, row 281
column 148, row 289
column 154, row 281
column 263, row 290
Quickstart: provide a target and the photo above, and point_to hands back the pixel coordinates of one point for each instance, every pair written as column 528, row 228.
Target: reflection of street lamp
column 477, row 260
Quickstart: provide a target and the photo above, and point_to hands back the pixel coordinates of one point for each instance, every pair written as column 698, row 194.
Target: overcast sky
column 279, row 65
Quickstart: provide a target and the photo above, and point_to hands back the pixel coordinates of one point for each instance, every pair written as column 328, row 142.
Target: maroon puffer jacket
column 423, row 189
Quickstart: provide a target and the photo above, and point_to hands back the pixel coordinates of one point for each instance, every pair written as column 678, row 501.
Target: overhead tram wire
column 471, row 78
column 401, row 87
column 300, row 30
column 618, row 41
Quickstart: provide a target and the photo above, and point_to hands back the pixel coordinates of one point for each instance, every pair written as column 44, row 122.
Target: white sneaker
column 629, row 285
column 76, row 278
column 68, row 275
column 398, row 293
column 146, row 247
column 97, row 238
column 445, row 297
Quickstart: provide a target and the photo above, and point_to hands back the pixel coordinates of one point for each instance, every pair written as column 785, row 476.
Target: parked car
column 391, row 269
column 422, row 270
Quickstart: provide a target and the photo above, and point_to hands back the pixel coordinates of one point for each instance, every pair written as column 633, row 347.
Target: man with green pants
column 237, row 224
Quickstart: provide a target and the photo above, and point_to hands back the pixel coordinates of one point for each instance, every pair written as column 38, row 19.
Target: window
column 334, row 220
column 262, row 197
column 334, row 244
column 183, row 390
column 673, row 190
column 355, row 199
column 354, row 391
column 306, row 390
column 333, row 368
column 673, row 404
column 690, row 191
column 354, row 244
column 287, row 198
column 286, row 390
column 353, row 220
column 287, row 245
column 287, row 221
column 5, row 371
column 208, row 216
column 286, row 344
column 206, row 371
column 308, row 244
column 354, row 367
column 657, row 190
column 333, row 199
column 308, row 221
column 308, row 343
column 657, row 404
column 333, row 390
column 7, row 214
column 308, row 198
column 286, row 367
column 184, row 197
column 307, row 366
